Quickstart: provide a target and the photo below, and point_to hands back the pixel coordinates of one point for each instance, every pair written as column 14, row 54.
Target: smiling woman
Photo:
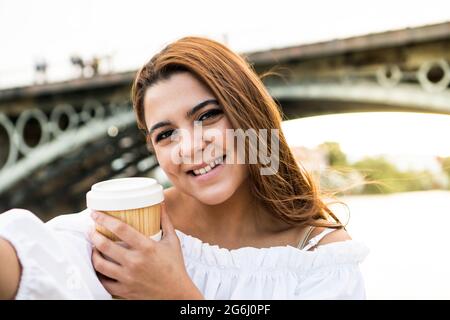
column 231, row 230
column 203, row 69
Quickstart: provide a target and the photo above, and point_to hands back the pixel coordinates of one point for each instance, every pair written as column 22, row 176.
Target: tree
column 445, row 163
column 336, row 157
column 387, row 178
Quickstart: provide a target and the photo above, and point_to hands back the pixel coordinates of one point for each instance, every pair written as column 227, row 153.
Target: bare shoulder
column 337, row 235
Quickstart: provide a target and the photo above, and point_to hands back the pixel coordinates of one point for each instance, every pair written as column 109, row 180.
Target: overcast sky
column 131, row 31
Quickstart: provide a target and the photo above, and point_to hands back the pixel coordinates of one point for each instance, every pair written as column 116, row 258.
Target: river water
column 408, row 235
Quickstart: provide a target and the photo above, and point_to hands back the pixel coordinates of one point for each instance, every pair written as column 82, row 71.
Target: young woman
column 229, row 231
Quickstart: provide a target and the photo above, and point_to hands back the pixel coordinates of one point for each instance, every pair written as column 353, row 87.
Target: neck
column 238, row 219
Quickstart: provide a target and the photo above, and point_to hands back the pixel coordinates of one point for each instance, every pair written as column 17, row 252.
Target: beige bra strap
column 302, row 242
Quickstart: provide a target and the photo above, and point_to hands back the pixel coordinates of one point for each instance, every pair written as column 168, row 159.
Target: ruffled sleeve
column 55, row 256
column 330, row 271
column 335, row 273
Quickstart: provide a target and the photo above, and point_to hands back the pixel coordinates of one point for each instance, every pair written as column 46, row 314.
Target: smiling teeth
column 208, row 167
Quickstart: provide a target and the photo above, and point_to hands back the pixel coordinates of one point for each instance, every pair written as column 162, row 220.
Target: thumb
column 166, row 224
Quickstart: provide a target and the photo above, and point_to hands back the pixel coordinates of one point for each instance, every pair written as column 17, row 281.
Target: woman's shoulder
column 328, row 235
column 76, row 222
column 22, row 217
column 337, row 235
column 319, row 235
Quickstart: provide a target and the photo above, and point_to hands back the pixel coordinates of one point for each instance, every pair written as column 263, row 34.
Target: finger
column 108, row 247
column 105, row 267
column 123, row 231
column 166, row 223
column 113, row 287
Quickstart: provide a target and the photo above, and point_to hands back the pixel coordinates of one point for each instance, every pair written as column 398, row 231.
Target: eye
column 164, row 135
column 210, row 114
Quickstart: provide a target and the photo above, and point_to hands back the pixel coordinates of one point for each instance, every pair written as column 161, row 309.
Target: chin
column 214, row 194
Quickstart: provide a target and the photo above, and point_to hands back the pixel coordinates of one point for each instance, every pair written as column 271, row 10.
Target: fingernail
column 94, row 215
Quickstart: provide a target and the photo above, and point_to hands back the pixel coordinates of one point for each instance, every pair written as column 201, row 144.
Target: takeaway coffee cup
column 136, row 201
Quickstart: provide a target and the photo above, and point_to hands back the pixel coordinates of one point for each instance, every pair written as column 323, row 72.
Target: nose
column 191, row 145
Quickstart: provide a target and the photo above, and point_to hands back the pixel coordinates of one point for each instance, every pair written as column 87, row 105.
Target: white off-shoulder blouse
column 56, row 264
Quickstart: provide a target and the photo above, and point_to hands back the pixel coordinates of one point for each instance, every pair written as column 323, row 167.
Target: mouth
column 208, row 169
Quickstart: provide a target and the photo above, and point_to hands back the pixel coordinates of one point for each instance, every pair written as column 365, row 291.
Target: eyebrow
column 189, row 114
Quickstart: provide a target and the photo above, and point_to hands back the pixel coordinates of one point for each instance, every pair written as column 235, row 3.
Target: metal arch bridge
column 56, row 140
column 402, row 70
column 97, row 143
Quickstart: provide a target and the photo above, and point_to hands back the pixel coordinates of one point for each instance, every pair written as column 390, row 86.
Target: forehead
column 180, row 92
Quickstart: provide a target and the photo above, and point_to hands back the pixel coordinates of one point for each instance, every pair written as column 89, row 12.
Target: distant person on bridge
column 230, row 230
column 40, row 68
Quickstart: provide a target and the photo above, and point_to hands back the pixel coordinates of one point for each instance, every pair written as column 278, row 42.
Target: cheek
column 165, row 161
column 242, row 172
column 221, row 136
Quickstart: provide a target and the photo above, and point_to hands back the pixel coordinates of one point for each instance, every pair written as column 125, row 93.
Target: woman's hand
column 147, row 269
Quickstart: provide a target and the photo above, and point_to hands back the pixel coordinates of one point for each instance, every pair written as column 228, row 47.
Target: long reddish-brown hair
column 291, row 193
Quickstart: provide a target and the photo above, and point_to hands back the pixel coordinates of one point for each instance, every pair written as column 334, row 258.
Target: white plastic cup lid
column 124, row 194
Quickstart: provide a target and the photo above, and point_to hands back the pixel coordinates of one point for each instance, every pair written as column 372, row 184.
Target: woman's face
column 169, row 116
